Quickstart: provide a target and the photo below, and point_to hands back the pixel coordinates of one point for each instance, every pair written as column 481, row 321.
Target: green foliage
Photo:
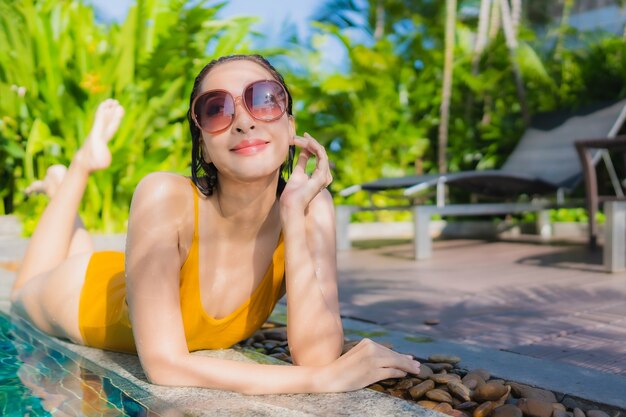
column 57, row 63
column 382, row 115
column 378, row 118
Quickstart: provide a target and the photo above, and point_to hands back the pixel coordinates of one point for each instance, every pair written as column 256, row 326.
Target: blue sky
column 271, row 14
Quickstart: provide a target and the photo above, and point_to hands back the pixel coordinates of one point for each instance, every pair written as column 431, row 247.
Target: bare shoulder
column 162, row 186
column 162, row 201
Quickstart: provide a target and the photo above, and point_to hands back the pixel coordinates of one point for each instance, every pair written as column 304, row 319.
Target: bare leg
column 51, row 242
column 81, row 241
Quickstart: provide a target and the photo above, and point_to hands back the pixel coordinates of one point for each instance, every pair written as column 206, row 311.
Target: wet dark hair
column 204, row 174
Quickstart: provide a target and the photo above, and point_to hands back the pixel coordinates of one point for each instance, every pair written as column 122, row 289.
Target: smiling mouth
column 250, row 146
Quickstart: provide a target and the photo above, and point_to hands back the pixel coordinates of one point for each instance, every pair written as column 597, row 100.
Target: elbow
column 316, row 357
column 163, row 370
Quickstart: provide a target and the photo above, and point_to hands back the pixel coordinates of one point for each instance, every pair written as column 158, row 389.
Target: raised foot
column 95, row 154
column 50, row 184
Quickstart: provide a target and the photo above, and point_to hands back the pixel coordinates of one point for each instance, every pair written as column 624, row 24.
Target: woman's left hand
column 301, row 188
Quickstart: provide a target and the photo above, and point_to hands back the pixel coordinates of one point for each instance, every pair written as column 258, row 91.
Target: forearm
column 315, row 332
column 246, row 378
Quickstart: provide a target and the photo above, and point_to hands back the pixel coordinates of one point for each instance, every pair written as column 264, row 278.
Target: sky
column 271, row 14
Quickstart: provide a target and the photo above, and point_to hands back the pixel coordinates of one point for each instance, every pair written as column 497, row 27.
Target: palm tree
column 447, row 84
column 511, row 42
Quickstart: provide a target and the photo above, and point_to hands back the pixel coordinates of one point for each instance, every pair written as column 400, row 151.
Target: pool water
column 37, row 379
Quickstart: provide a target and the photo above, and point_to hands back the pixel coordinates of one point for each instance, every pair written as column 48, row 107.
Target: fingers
column 385, row 358
column 311, row 147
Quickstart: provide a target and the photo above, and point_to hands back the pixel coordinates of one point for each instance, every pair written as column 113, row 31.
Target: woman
column 207, row 260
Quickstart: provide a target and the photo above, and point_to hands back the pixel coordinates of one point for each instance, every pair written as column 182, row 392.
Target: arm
column 314, row 329
column 160, row 206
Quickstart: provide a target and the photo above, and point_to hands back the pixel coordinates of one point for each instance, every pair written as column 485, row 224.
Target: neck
column 246, row 206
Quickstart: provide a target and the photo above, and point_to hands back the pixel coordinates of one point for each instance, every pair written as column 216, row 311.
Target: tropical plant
column 57, row 63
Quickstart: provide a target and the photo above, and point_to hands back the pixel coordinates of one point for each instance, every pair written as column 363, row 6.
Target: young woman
column 207, row 258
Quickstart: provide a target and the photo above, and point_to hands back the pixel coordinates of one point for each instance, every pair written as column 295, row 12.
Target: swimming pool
column 40, row 379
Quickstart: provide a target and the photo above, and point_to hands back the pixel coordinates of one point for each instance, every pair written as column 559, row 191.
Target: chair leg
column 342, row 221
column 544, row 227
column 422, row 242
column 614, row 253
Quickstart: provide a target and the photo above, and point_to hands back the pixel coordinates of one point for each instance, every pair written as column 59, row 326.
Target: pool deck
column 542, row 314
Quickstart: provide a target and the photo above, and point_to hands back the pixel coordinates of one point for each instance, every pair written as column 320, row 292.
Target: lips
column 250, row 146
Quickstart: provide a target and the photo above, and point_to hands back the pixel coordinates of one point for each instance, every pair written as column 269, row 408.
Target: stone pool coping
column 126, row 373
column 574, row 382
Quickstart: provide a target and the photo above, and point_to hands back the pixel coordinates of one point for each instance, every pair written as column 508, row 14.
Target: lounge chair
column 544, row 162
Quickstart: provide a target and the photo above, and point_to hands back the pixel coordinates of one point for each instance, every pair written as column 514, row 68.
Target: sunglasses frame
column 245, row 105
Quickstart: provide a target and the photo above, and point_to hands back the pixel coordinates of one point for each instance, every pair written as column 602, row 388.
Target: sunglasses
column 214, row 110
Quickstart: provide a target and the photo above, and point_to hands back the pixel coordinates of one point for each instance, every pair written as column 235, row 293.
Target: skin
column 242, row 220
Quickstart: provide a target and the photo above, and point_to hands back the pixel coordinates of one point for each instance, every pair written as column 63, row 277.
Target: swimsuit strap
column 195, row 210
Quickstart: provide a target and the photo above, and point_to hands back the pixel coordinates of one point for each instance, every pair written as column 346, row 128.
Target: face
column 249, row 148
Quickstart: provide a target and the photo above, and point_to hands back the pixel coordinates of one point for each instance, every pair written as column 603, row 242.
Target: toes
column 36, row 187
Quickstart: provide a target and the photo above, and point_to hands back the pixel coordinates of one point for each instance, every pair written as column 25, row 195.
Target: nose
column 243, row 121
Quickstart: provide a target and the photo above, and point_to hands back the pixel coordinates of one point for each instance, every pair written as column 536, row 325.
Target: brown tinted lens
column 265, row 100
column 214, row 111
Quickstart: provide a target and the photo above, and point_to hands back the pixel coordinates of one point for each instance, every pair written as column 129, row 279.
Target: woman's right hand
column 366, row 363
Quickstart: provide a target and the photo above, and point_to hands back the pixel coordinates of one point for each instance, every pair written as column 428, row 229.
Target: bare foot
column 50, row 184
column 95, row 154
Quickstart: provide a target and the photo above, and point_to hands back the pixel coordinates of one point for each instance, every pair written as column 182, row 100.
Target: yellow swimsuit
column 103, row 313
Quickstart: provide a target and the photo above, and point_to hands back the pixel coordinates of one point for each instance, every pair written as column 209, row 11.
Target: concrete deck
column 536, row 313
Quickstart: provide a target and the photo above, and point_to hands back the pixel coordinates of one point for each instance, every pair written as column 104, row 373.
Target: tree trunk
column 516, row 15
column 379, row 30
column 511, row 43
column 481, row 34
column 567, row 9
column 447, row 84
column 494, row 26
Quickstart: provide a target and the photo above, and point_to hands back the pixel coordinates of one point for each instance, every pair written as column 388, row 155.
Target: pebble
column 507, row 410
column 377, row 387
column 489, row 391
column 448, row 389
column 419, row 390
column 535, row 408
column 596, row 413
column 388, row 382
column 459, row 390
column 445, row 378
column 457, row 413
column 443, row 408
column 483, row 373
column 425, row 372
column 270, row 344
column 466, row 405
column 472, row 380
column 504, row 397
column 397, row 393
column 406, row 383
column 431, row 322
column 427, row 404
column 438, row 367
column 439, row 395
column 444, row 359
column 484, row 409
column 276, row 334
column 525, row 391
column 559, row 413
